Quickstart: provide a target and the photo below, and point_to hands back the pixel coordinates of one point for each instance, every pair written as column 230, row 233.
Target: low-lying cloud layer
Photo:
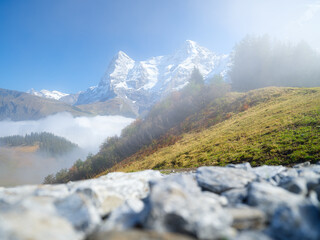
column 87, row 132
column 19, row 167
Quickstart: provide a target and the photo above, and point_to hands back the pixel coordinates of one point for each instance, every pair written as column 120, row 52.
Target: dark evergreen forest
column 48, row 143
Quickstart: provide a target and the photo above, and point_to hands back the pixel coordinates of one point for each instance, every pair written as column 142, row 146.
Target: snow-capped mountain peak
column 48, row 94
column 118, row 68
column 191, row 47
column 141, row 83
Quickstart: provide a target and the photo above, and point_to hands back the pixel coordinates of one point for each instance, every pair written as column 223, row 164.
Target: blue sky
column 66, row 45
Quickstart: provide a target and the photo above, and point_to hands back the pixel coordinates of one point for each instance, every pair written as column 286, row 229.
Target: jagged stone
column 247, row 218
column 268, row 198
column 12, row 195
column 138, row 235
column 55, row 191
column 110, row 191
column 132, row 213
column 244, row 166
column 307, row 173
column 26, row 224
column 268, row 172
column 177, row 205
column 219, row 179
column 315, row 169
column 236, row 196
column 296, row 222
column 252, row 235
column 295, row 185
column 285, row 198
column 222, row 200
column 79, row 211
column 300, row 165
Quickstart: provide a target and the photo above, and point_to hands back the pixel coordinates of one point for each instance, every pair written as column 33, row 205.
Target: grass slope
column 278, row 126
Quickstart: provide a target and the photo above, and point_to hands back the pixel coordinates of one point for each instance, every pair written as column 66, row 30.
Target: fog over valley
column 87, row 132
column 24, row 165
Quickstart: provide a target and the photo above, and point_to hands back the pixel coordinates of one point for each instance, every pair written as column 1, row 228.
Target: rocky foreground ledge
column 233, row 202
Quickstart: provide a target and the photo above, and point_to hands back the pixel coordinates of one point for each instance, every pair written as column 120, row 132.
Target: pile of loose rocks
column 232, row 202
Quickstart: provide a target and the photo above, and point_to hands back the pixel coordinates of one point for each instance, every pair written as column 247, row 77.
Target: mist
column 87, row 132
column 286, row 20
column 258, row 61
column 23, row 167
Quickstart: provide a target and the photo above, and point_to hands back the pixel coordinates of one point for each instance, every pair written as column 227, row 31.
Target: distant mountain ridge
column 48, row 94
column 56, row 95
column 17, row 106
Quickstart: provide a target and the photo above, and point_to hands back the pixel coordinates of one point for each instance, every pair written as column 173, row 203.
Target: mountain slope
column 271, row 125
column 283, row 128
column 114, row 106
column 18, row 106
column 142, row 83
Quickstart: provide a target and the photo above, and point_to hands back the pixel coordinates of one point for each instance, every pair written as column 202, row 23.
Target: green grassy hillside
column 275, row 126
column 208, row 125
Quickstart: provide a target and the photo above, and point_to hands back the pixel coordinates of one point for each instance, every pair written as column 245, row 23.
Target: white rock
column 219, row 179
column 79, row 211
column 110, row 191
column 35, row 225
column 128, row 215
column 268, row 198
column 267, row 172
column 177, row 205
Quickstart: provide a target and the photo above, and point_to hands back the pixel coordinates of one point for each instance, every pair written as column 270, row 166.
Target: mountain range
column 18, row 106
column 139, row 84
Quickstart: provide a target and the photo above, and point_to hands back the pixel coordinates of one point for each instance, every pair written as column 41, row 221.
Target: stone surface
column 132, row 213
column 234, row 202
column 236, row 196
column 247, row 218
column 219, row 179
column 244, row 166
column 300, row 165
column 252, row 235
column 296, row 222
column 268, row 172
column 110, row 191
column 268, row 198
column 35, row 225
column 79, row 211
column 138, row 235
column 295, row 185
column 177, row 208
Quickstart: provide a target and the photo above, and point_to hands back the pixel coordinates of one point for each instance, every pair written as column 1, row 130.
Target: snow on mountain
column 142, row 83
column 48, row 94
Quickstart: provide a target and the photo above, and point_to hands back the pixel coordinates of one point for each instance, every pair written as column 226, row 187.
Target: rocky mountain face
column 141, row 83
column 234, row 202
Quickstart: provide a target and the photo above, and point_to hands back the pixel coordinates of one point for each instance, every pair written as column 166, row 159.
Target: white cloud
column 87, row 132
